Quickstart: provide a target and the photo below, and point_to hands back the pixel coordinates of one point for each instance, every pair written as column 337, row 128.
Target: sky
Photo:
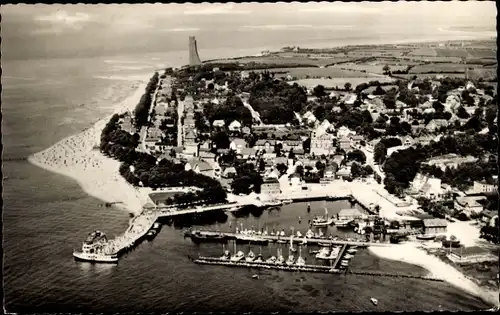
column 44, row 31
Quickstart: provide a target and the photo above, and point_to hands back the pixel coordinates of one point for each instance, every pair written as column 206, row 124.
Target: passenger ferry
column 93, row 249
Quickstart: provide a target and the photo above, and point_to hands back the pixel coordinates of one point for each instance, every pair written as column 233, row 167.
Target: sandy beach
column 79, row 158
column 410, row 253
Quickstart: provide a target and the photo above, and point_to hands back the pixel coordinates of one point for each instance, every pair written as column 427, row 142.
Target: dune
column 79, row 158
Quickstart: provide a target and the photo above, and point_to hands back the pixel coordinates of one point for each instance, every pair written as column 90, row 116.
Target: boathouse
column 434, row 226
column 349, row 214
column 470, row 255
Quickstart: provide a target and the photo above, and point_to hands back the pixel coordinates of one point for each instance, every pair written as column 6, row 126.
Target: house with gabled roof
column 234, row 126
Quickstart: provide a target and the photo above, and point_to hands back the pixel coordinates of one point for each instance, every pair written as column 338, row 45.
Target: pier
column 305, row 268
column 274, row 238
column 339, row 257
column 137, row 230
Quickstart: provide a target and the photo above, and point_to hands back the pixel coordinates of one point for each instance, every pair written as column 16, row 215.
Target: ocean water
column 47, row 215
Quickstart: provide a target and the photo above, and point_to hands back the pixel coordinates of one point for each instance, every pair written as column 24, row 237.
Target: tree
column 386, row 69
column 282, row 168
column 262, row 165
column 319, row 91
column 379, row 153
column 347, row 86
column 357, row 155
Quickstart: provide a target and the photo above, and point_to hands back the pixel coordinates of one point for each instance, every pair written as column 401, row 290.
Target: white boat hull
column 98, row 258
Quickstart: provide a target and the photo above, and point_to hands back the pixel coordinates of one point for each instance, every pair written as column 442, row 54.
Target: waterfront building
column 270, row 186
column 321, row 142
column 435, row 226
column 472, row 254
column 349, row 214
column 344, row 172
column 484, row 187
column 469, row 204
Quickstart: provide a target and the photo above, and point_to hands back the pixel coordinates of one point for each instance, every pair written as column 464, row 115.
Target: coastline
column 410, row 253
column 98, row 175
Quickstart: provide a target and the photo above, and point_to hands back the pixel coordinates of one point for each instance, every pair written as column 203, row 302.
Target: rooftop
column 435, row 223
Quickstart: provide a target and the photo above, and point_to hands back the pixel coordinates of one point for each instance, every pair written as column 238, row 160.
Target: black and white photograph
column 250, row 157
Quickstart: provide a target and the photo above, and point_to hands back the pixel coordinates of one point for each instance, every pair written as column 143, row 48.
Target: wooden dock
column 274, row 238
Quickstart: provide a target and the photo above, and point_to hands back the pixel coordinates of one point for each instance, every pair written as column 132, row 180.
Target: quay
column 305, row 268
column 273, row 238
column 137, row 230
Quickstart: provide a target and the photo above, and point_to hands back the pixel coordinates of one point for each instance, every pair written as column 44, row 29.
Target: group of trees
column 142, row 109
column 402, row 166
column 490, row 232
column 248, row 179
column 358, row 170
column 231, row 109
column 276, row 101
column 118, row 143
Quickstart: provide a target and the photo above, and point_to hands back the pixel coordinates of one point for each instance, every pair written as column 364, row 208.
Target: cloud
column 213, row 9
column 61, row 17
column 182, row 29
column 293, row 27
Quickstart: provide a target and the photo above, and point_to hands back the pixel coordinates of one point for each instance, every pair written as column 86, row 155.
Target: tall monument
column 194, row 59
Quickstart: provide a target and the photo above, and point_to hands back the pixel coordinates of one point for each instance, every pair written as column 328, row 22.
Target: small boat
column 374, row 301
column 348, row 256
column 300, row 261
column 324, row 244
column 197, row 237
column 324, row 253
column 227, row 255
column 341, row 222
column 352, row 250
column 280, row 260
column 309, row 234
column 292, row 249
column 151, row 234
column 426, row 237
column 299, row 235
column 271, row 260
column 323, row 221
column 287, row 201
column 250, row 256
column 290, row 260
column 334, row 253
column 255, row 277
column 315, row 251
column 157, row 225
column 239, row 256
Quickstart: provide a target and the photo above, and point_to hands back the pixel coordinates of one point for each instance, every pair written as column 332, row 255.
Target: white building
column 235, row 126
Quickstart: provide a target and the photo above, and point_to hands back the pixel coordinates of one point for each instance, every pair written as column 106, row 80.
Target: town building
column 265, row 145
column 356, row 140
column 436, row 124
column 407, row 141
column 229, row 172
column 484, row 187
column 237, row 144
column 199, row 166
column 345, row 144
column 370, row 146
column 270, row 186
column 344, row 173
column 190, row 144
column 344, row 132
column 321, row 143
column 435, row 226
column 218, row 123
column 469, row 204
column 235, row 126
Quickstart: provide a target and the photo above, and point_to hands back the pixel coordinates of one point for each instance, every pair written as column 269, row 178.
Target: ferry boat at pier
column 94, row 249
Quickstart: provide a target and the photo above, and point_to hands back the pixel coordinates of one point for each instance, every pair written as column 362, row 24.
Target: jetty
column 136, row 232
column 294, row 268
column 274, row 238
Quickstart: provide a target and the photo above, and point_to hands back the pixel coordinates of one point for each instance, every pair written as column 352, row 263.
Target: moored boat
column 323, row 253
column 197, row 237
column 374, row 301
column 287, row 201
column 426, row 237
column 322, row 221
column 250, row 256
column 238, row 257
column 94, row 249
column 309, row 234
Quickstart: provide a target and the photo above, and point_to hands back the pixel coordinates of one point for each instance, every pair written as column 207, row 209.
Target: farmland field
column 311, row 73
column 372, row 67
column 446, row 52
column 442, row 67
column 338, row 82
column 288, row 58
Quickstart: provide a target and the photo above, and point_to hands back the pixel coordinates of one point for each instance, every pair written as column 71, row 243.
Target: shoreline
column 97, row 175
column 410, row 253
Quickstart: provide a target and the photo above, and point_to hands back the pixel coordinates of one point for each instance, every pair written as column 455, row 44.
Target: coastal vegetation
column 142, row 169
column 141, row 111
column 402, row 166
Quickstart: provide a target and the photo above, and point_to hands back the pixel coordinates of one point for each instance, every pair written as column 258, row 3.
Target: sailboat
column 374, row 301
column 227, row 254
column 290, row 259
column 272, row 259
column 300, row 261
column 259, row 256
column 292, row 249
column 250, row 256
column 309, row 234
column 238, row 255
column 324, row 253
column 323, row 221
column 280, row 259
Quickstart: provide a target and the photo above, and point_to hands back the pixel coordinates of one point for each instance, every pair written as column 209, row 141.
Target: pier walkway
column 273, row 238
column 137, row 230
column 339, row 257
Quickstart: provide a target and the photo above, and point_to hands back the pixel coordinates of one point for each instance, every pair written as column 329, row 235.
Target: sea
column 46, row 216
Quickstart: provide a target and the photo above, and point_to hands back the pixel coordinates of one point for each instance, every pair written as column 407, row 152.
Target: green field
column 317, row 73
column 162, row 196
column 338, row 82
column 443, row 67
column 372, row 67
